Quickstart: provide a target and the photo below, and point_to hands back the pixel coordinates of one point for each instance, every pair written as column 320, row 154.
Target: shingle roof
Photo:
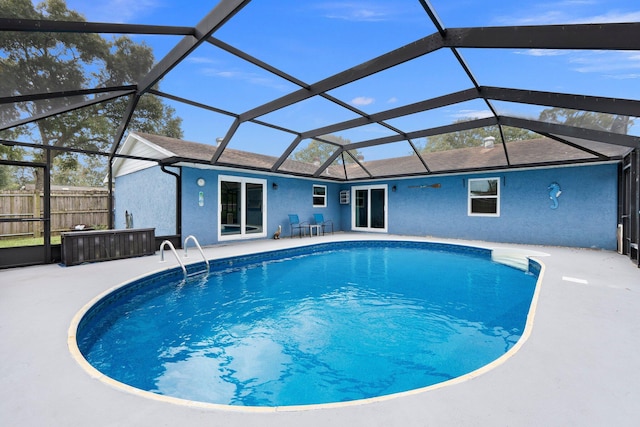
column 199, row 152
column 520, row 153
column 181, row 148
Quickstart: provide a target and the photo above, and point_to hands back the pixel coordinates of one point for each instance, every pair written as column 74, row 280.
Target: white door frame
column 368, row 202
column 243, row 181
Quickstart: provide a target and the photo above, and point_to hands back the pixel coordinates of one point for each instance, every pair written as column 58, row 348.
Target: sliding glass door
column 243, row 210
column 369, row 208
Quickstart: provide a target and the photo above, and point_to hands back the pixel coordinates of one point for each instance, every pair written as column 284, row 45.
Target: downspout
column 178, row 177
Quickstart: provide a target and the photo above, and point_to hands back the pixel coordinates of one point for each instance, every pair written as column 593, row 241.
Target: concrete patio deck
column 579, row 366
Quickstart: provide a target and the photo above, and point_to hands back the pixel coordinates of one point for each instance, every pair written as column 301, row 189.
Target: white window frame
column 323, row 196
column 484, row 196
column 243, row 218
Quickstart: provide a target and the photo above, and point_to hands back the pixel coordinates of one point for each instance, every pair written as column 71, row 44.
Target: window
column 319, row 196
column 484, row 197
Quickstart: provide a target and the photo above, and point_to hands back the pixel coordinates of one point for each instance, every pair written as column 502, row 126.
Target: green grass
column 27, row 241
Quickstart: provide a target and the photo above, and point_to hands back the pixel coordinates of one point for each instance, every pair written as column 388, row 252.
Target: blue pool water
column 330, row 323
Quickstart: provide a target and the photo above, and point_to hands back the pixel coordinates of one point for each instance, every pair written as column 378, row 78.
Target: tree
column 77, row 170
column 472, row 138
column 5, row 178
column 587, row 119
column 475, row 137
column 318, row 151
column 41, row 63
column 9, row 178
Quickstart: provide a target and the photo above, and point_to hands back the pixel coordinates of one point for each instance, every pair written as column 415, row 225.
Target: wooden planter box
column 79, row 247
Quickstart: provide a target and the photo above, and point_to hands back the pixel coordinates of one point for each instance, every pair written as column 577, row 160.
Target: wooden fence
column 68, row 209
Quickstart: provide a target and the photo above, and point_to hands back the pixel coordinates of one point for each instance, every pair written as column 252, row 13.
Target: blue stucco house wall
column 586, row 215
column 292, row 196
column 150, row 196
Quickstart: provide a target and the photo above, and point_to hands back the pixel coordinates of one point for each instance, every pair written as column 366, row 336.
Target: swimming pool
column 326, row 323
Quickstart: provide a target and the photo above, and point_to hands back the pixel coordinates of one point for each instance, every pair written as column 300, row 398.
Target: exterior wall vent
column 344, row 197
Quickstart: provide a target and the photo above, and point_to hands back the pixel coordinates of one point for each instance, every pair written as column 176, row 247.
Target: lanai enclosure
column 301, row 135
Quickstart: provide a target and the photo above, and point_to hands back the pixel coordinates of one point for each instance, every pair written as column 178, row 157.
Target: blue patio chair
column 319, row 218
column 295, row 224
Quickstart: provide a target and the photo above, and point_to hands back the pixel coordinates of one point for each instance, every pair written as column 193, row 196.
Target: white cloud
column 546, row 17
column 569, row 12
column 199, row 60
column 471, row 114
column 604, row 62
column 392, row 100
column 542, row 52
column 362, row 100
column 631, row 76
column 575, row 2
column 213, row 68
column 250, row 78
column 116, row 11
column 610, row 17
column 355, row 11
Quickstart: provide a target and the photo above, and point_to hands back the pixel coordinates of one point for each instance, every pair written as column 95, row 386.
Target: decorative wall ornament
column 554, row 193
column 128, row 218
column 437, row 185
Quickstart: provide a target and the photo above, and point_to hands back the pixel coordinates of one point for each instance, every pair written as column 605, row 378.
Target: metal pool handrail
column 192, row 237
column 173, row 249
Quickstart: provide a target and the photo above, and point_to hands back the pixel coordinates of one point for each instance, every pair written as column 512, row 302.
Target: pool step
column 512, row 258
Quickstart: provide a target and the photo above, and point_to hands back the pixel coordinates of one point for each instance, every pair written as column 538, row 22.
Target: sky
column 312, row 40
